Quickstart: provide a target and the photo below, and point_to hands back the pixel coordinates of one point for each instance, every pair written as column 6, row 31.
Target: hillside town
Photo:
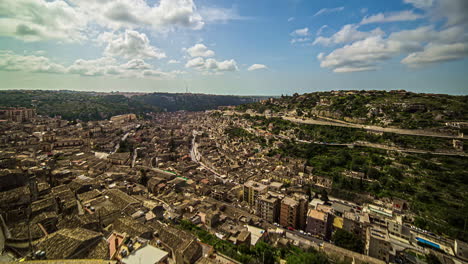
column 151, row 190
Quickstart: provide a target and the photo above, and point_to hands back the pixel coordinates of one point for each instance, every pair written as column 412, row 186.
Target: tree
column 395, row 173
column 345, row 239
column 373, row 173
column 143, row 178
column 324, row 195
column 432, row 259
column 307, row 258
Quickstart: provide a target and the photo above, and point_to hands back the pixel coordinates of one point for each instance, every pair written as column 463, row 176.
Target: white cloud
column 136, row 64
column 406, row 15
column 299, row 40
column 437, row 53
column 77, row 20
column 211, row 64
column 37, row 20
column 420, row 3
column 96, row 67
column 301, row 32
column 10, row 61
column 329, row 10
column 348, row 33
column 219, row 14
column 197, row 63
column 364, row 55
column 107, row 66
column 454, row 11
column 104, row 66
column 200, row 50
column 255, row 67
column 130, row 44
column 163, row 16
column 173, row 62
column 321, row 29
column 421, row 46
column 226, row 65
column 291, row 19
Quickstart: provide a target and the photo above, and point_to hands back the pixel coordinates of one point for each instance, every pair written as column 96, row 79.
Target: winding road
column 325, row 121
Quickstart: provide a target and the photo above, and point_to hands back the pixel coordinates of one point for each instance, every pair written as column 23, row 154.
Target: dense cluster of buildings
column 117, row 191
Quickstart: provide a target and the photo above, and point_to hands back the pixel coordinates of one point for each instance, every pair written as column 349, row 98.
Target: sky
column 240, row 47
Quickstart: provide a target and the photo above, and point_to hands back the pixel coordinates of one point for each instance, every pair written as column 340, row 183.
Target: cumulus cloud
column 10, row 61
column 108, row 66
column 348, row 33
column 36, row 20
column 173, row 61
column 300, row 35
column 97, row 67
column 406, row 15
column 420, row 3
column 165, row 15
column 299, row 40
column 255, row 67
column 104, row 66
column 364, row 55
column 301, row 32
column 436, row 53
column 74, row 20
column 197, row 63
column 226, row 65
column 200, row 50
column 212, row 65
column 421, row 46
column 329, row 10
column 219, row 14
column 130, row 44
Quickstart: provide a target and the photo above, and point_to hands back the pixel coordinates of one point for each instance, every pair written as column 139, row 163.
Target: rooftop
column 317, row 215
column 146, row 255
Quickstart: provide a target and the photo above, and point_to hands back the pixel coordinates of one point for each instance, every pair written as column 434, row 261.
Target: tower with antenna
column 185, row 96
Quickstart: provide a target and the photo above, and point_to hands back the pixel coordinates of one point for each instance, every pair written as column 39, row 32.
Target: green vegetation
column 126, row 146
column 436, row 186
column 191, row 102
column 346, row 135
column 72, row 105
column 345, row 239
column 405, row 109
column 237, row 132
column 262, row 252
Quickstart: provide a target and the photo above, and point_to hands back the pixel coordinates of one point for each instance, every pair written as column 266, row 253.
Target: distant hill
column 391, row 109
column 87, row 106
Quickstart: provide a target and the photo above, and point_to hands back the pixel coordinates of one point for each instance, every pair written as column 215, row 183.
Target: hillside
column 398, row 109
column 86, row 106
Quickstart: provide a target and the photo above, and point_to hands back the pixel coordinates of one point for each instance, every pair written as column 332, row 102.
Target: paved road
column 412, row 132
column 196, row 157
column 369, row 144
column 325, row 121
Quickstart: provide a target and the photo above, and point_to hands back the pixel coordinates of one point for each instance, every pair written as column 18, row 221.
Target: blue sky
column 262, row 47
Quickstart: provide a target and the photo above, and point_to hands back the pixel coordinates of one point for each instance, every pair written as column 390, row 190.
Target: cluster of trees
column 262, row 252
column 191, row 102
column 345, row 239
column 431, row 110
column 331, row 134
column 87, row 106
column 435, row 186
column 238, row 132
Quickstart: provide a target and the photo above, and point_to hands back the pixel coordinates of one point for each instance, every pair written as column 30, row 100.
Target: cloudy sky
column 261, row 47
